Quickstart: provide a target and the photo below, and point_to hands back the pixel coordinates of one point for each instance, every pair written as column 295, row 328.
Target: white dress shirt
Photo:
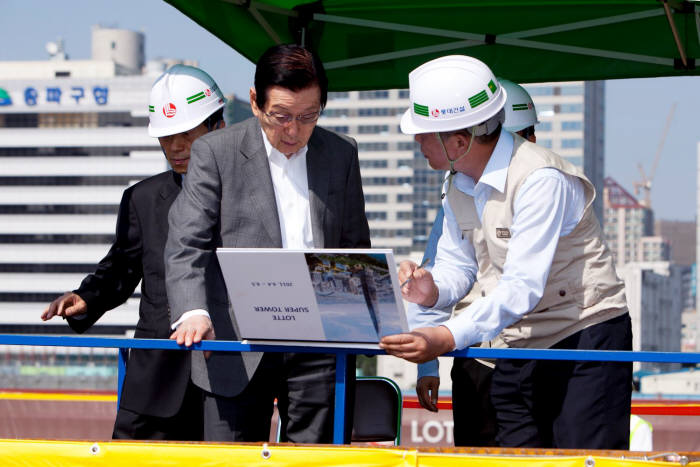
column 292, row 196
column 548, row 205
column 291, row 186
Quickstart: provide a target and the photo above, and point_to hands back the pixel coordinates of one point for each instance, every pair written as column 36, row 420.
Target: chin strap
column 452, row 162
column 485, row 128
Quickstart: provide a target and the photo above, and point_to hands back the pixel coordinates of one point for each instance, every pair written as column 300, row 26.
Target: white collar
column 496, row 171
column 270, row 150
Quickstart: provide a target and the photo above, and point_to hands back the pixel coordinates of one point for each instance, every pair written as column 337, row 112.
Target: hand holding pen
column 417, row 284
column 410, row 278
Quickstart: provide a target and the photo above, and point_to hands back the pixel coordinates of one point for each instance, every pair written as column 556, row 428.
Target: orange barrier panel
column 666, row 407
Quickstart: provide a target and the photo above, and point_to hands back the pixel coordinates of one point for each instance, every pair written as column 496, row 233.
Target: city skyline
column 636, row 109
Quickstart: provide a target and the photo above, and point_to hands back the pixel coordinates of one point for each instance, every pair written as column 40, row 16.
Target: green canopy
column 373, row 44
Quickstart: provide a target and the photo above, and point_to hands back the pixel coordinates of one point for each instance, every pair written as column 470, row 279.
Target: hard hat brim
column 180, row 128
column 516, row 128
column 408, row 127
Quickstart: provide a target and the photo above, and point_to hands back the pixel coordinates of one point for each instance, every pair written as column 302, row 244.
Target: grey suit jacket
column 228, row 200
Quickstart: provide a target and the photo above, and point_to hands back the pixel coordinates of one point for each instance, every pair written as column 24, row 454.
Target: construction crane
column 645, row 184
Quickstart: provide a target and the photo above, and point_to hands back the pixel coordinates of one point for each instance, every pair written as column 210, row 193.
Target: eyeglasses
column 283, row 119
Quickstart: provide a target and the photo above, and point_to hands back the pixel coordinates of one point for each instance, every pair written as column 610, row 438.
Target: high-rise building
column 572, row 124
column 628, row 226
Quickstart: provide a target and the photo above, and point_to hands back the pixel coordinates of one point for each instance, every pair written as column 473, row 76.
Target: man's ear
column 462, row 140
column 253, row 104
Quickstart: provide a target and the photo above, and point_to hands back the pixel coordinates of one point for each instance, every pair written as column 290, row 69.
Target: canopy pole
column 480, row 37
column 513, row 38
column 401, row 54
column 672, row 24
column 582, row 24
column 264, row 24
column 697, row 24
column 273, row 9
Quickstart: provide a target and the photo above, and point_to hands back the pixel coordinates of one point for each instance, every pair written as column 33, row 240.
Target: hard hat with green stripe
column 451, row 93
column 182, row 98
column 520, row 110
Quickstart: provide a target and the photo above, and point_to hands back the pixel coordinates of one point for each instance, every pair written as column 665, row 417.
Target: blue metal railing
column 123, row 344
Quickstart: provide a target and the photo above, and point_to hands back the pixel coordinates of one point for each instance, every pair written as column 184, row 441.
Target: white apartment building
column 386, row 161
column 72, row 138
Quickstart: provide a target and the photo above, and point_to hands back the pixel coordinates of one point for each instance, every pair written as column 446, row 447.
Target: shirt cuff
column 431, row 368
column 460, row 332
column 187, row 314
column 443, row 300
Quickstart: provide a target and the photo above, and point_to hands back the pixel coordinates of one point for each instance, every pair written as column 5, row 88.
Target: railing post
column 341, row 362
column 121, row 372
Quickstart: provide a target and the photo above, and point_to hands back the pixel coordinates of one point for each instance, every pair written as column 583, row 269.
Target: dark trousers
column 567, row 404
column 185, row 425
column 472, row 412
column 304, row 385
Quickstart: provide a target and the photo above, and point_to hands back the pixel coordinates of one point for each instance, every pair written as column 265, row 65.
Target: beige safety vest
column 582, row 288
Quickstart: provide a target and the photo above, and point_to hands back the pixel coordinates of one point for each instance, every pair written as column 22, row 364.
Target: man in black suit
column 273, row 181
column 158, row 399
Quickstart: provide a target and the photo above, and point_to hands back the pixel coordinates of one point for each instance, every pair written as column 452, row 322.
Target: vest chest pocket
column 497, row 250
column 468, row 225
column 558, row 293
column 468, row 234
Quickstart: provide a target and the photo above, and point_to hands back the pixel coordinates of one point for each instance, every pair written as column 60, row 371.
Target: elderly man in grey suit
column 276, row 180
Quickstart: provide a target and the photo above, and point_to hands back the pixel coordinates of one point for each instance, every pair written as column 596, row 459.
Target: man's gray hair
column 487, row 131
column 490, row 125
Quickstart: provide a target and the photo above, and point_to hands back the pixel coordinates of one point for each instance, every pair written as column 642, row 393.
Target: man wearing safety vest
column 472, row 411
column 519, row 219
column 158, row 399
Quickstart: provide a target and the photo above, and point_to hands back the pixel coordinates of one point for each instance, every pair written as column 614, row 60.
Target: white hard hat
column 182, row 98
column 451, row 93
column 520, row 110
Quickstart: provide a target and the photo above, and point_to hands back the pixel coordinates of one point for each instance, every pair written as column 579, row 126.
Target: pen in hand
column 425, row 261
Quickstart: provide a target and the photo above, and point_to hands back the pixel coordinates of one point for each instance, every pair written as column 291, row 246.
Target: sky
column 635, row 109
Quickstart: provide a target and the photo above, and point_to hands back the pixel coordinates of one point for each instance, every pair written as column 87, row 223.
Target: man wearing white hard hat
column 521, row 114
column 519, row 219
column 472, row 411
column 158, row 399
